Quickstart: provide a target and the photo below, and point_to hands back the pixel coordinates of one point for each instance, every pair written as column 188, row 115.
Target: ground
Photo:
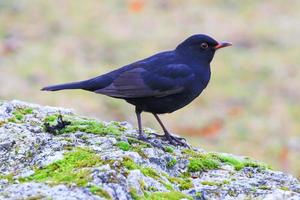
column 52, row 153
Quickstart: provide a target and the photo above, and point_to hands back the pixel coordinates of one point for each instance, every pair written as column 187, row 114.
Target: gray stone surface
column 25, row 147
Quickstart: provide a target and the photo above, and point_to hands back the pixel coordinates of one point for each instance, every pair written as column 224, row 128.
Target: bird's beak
column 223, row 44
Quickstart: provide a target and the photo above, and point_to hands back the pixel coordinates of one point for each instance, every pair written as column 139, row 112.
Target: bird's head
column 200, row 48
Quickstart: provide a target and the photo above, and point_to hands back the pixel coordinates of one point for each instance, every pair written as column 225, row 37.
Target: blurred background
column 251, row 106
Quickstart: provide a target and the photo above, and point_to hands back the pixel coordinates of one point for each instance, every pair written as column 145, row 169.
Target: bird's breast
column 201, row 80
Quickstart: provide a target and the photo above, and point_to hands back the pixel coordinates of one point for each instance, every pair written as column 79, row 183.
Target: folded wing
column 141, row 82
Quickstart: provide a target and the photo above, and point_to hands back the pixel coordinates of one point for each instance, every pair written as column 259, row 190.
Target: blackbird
column 162, row 83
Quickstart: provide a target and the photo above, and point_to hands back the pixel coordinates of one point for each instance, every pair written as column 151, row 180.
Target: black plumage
column 162, row 83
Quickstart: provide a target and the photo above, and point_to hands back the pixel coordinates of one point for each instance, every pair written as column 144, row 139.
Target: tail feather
column 74, row 85
column 90, row 85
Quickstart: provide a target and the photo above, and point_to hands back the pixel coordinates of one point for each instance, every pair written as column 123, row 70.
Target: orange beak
column 223, row 44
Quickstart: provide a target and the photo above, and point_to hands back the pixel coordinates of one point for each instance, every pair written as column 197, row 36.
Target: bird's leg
column 141, row 134
column 139, row 119
column 171, row 138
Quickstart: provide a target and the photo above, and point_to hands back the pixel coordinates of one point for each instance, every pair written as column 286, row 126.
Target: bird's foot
column 157, row 135
column 174, row 140
column 164, row 136
column 145, row 139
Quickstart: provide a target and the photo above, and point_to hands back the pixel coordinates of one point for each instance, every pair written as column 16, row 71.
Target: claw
column 157, row 135
column 164, row 136
column 173, row 139
column 144, row 139
column 178, row 140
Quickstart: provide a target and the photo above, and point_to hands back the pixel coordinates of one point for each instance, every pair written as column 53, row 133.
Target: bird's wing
column 141, row 82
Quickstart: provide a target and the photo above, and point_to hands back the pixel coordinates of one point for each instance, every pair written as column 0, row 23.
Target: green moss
column 51, row 118
column 118, row 124
column 142, row 185
column 173, row 195
column 211, row 183
column 84, row 137
column 90, row 126
column 252, row 163
column 284, row 188
column 73, row 168
column 83, row 125
column 198, row 195
column 264, row 187
column 148, row 171
column 202, row 164
column 134, row 195
column 27, row 111
column 23, row 111
column 69, row 139
column 185, row 174
column 169, row 149
column 130, row 164
column 234, row 193
column 19, row 114
column 167, row 186
column 100, row 192
column 171, row 163
column 190, row 152
column 184, row 183
column 152, row 189
column 125, row 146
column 239, row 164
column 13, row 120
column 133, row 140
column 8, row 177
column 137, row 146
column 139, row 150
column 200, row 161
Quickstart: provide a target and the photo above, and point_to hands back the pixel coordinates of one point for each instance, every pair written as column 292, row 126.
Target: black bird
column 162, row 83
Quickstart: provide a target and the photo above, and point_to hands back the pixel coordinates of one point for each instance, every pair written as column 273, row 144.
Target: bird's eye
column 204, row 45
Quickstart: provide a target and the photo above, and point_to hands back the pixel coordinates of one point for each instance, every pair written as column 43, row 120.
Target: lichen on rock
column 52, row 153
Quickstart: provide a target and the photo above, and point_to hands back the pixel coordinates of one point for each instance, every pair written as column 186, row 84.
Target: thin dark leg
column 141, row 134
column 172, row 139
column 161, row 124
column 139, row 119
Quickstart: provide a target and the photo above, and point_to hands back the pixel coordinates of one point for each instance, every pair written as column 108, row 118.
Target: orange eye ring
column 204, row 45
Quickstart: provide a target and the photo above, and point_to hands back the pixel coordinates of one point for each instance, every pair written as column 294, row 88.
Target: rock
column 52, row 153
column 44, row 191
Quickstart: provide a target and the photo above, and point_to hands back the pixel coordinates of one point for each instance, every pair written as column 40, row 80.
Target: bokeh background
column 251, row 106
